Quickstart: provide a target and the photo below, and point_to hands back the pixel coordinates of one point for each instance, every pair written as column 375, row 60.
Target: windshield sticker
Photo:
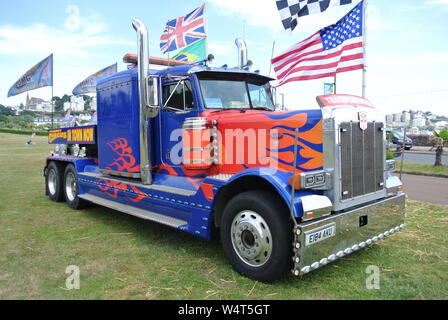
column 238, row 104
column 213, row 103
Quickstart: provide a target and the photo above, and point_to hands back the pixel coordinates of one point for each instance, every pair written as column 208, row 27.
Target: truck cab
column 202, row 149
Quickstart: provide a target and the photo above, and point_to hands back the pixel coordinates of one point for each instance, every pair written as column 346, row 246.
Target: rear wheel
column 53, row 182
column 71, row 189
column 256, row 235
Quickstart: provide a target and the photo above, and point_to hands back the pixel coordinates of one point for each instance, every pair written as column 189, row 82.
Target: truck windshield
column 223, row 94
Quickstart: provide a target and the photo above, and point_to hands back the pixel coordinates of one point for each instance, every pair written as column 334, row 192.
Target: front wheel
column 71, row 189
column 256, row 235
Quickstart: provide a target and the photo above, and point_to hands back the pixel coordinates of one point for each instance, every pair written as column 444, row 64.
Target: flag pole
column 52, row 94
column 364, row 34
column 206, row 29
column 272, row 57
column 334, row 84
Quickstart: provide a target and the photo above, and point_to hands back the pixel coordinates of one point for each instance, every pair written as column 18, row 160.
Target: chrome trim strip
column 190, row 161
column 140, row 213
column 156, row 187
column 221, row 177
column 196, row 149
column 121, row 173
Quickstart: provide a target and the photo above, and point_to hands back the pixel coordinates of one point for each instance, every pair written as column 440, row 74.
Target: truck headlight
column 311, row 180
column 390, row 165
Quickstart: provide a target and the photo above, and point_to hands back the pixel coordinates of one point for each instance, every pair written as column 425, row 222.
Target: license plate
column 319, row 234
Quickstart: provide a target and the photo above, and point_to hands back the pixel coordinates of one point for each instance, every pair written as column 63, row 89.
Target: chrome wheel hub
column 52, row 182
column 70, row 186
column 251, row 238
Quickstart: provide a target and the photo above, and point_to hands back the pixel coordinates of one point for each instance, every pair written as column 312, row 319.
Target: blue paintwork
column 118, row 116
column 279, row 180
column 79, row 163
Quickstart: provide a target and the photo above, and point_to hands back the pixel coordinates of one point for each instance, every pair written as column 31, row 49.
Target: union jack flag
column 183, row 31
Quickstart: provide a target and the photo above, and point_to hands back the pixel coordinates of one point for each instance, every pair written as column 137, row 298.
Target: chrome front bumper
column 355, row 229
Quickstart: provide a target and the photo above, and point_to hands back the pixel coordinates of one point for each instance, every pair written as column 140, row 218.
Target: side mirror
column 152, row 96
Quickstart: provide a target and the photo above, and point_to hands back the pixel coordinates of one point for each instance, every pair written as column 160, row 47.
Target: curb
column 420, row 152
column 424, row 174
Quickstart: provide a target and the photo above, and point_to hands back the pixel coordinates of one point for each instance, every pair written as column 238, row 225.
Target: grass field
column 423, row 168
column 122, row 257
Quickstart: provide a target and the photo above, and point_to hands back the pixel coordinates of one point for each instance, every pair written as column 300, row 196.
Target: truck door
column 178, row 105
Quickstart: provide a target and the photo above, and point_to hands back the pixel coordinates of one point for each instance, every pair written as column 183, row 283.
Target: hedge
column 24, row 132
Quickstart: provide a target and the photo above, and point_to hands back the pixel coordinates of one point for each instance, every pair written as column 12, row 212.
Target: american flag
column 333, row 49
column 183, row 31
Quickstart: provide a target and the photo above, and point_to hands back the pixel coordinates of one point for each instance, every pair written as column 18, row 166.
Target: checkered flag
column 291, row 10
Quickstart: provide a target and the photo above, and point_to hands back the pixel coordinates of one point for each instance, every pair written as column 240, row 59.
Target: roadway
column 429, row 158
column 425, row 188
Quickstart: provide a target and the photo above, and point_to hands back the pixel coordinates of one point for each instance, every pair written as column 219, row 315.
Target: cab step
column 137, row 212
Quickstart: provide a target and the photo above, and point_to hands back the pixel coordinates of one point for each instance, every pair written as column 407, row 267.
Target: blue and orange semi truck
column 200, row 149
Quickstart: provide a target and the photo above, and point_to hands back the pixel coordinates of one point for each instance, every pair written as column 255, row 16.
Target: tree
column 6, row 111
column 28, row 113
column 87, row 101
column 441, row 139
column 58, row 104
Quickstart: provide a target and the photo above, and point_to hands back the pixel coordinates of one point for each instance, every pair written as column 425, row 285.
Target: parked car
column 395, row 149
column 396, row 137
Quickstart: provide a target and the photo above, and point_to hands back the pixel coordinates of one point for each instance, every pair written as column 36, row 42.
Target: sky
column 407, row 47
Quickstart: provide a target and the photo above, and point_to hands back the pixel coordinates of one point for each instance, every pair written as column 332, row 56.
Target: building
column 389, row 119
column 419, row 121
column 31, row 103
column 76, row 104
column 93, row 104
column 441, row 124
column 37, row 104
column 406, row 117
column 397, row 117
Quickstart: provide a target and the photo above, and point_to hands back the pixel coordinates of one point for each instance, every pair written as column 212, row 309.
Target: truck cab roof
column 188, row 70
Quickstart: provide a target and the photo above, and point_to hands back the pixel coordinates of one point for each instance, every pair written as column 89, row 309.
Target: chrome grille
column 362, row 159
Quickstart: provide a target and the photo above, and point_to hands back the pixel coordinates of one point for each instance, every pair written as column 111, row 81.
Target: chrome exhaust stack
column 243, row 61
column 143, row 69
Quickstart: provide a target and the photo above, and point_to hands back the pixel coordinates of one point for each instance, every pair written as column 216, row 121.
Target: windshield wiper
column 224, row 109
column 262, row 108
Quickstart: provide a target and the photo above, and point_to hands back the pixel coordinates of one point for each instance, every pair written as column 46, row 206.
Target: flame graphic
column 126, row 161
column 112, row 188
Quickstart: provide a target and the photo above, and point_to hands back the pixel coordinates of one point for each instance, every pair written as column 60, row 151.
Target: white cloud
column 40, row 39
column 264, row 13
column 80, row 47
column 75, row 40
column 73, row 21
column 223, row 49
column 260, row 13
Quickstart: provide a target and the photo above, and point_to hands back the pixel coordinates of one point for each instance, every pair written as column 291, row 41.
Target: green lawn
column 122, row 257
column 422, row 168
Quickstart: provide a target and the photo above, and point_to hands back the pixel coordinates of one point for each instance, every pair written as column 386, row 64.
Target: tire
column 53, row 182
column 263, row 251
column 71, row 190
